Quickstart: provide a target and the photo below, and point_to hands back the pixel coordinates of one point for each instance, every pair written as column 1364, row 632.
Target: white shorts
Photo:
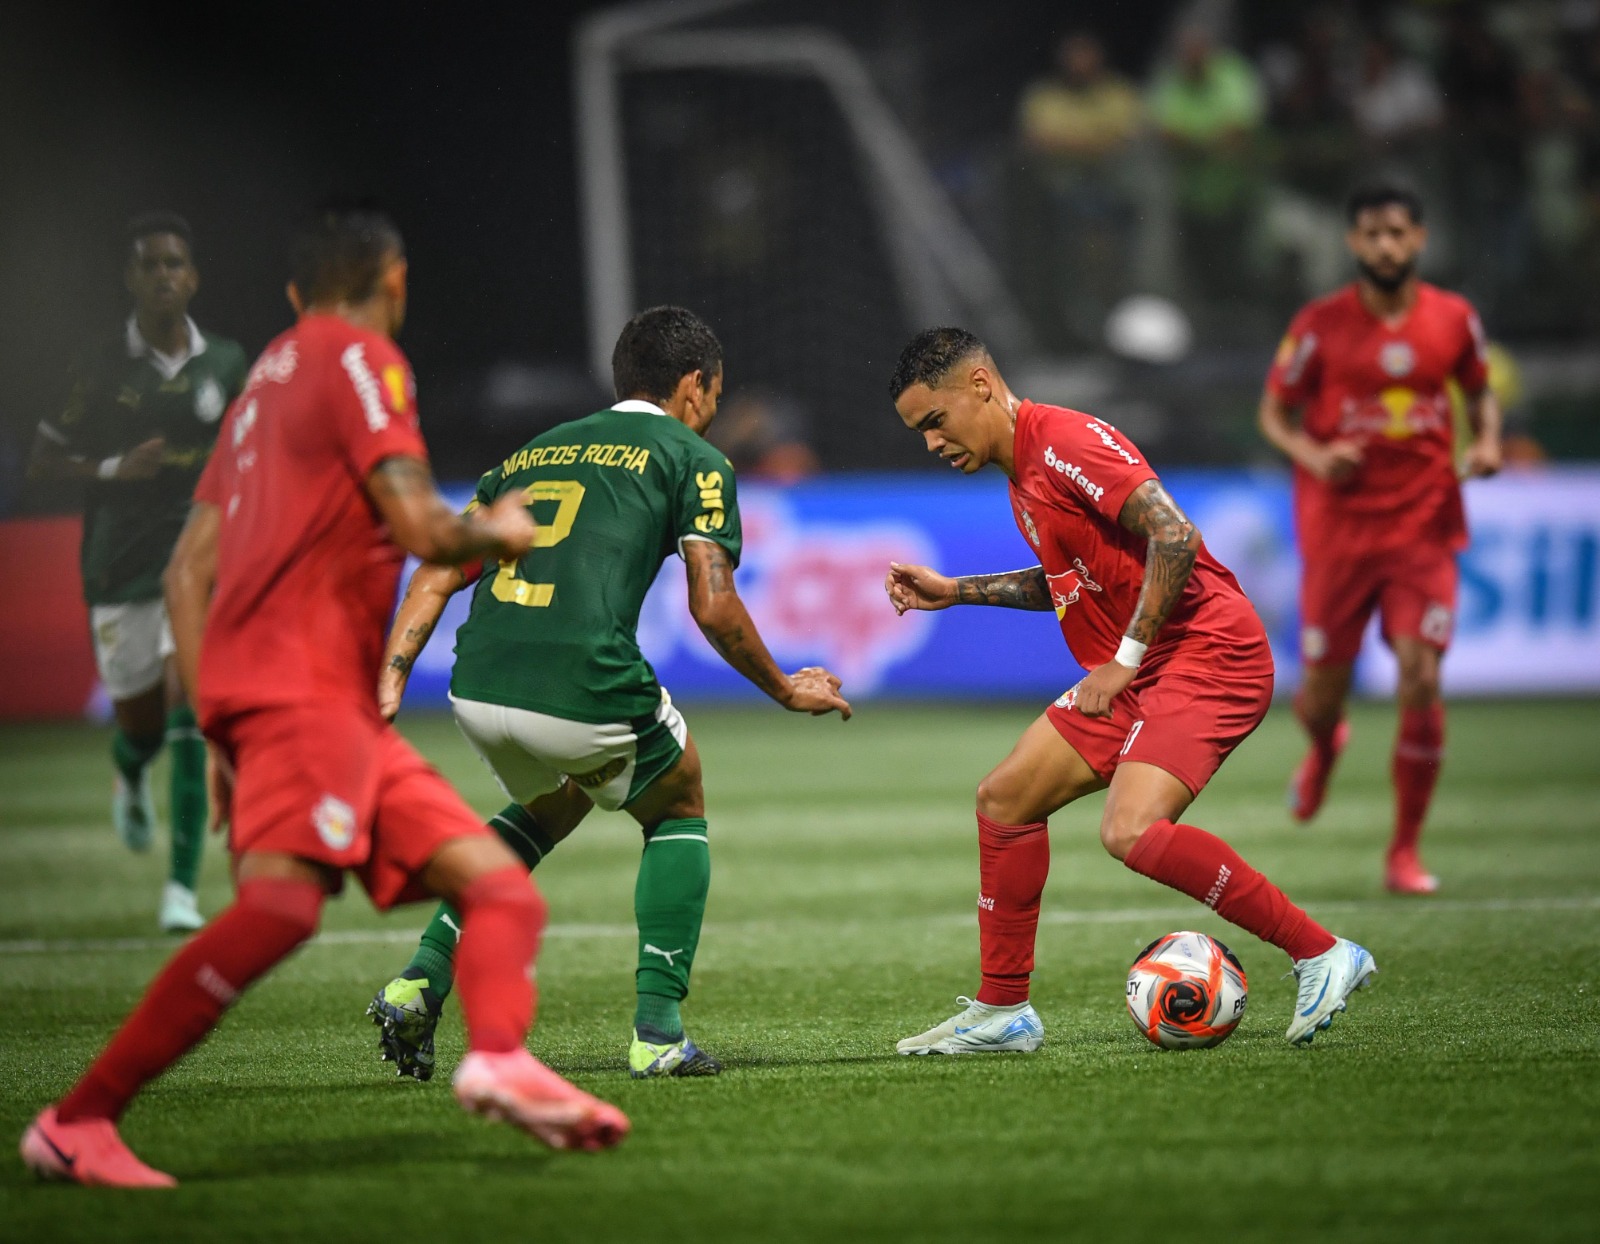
column 613, row 763
column 131, row 645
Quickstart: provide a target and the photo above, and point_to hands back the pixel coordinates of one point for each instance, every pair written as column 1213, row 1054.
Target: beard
column 1391, row 281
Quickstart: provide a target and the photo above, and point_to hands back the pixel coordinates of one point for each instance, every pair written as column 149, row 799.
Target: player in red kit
column 1179, row 673
column 279, row 591
column 1377, row 496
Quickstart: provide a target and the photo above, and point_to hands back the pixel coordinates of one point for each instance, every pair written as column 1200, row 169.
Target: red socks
column 1206, row 868
column 268, row 919
column 1013, row 862
column 502, row 918
column 1418, row 750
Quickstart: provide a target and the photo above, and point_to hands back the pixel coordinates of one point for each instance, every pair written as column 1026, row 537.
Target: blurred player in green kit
column 552, row 691
column 136, row 430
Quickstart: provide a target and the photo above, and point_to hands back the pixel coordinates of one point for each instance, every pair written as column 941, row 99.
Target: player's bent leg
column 1418, row 755
column 669, row 902
column 1044, row 772
column 1207, row 869
column 278, row 906
column 407, row 1009
column 502, row 920
column 1319, row 707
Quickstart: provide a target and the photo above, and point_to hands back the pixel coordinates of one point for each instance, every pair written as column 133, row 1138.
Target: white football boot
column 981, row 1029
column 180, row 912
column 133, row 812
column 1325, row 982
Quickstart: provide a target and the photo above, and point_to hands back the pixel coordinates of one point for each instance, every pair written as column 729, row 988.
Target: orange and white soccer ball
column 1186, row 991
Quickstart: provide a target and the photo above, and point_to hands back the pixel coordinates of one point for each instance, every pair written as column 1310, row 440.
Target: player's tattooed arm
column 726, row 623
column 423, row 523
column 920, row 587
column 424, row 601
column 1016, row 589
column 1174, row 543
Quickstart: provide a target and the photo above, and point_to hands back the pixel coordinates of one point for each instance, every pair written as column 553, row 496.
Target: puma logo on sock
column 665, row 954
column 454, row 927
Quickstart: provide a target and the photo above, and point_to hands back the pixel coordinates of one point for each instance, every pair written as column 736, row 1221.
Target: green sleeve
column 707, row 502
column 71, row 426
column 487, row 490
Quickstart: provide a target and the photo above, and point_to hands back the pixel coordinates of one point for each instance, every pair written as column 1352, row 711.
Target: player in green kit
column 551, row 689
column 137, row 429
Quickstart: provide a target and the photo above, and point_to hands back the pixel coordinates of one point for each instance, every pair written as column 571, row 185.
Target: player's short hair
column 1383, row 194
column 148, row 224
column 340, row 249
column 931, row 355
column 659, row 347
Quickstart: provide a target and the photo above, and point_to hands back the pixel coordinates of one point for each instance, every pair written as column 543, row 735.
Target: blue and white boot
column 1326, row 981
column 981, row 1029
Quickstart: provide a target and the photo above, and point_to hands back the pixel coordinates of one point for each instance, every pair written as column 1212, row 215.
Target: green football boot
column 406, row 1013
column 669, row 1058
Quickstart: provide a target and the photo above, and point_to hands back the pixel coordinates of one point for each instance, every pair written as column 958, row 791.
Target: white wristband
column 1130, row 652
column 109, row 467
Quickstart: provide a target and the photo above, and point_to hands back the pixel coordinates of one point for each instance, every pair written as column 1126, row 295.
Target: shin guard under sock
column 1418, row 753
column 1013, row 862
column 502, row 919
column 1206, row 868
column 266, row 922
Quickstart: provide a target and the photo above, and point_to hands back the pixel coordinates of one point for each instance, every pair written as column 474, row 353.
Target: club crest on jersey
column 1397, row 358
column 1027, row 525
column 1066, row 587
column 209, row 401
column 335, row 822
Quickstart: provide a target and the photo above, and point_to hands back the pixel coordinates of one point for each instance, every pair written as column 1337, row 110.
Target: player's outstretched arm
column 726, row 623
column 918, row 587
column 423, row 523
column 1173, row 545
column 425, row 597
column 50, row 460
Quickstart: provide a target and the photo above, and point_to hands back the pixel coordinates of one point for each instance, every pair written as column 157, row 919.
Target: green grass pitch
column 1459, row 1099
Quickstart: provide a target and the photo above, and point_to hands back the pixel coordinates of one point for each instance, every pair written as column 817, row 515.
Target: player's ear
column 292, row 291
column 982, row 382
column 394, row 280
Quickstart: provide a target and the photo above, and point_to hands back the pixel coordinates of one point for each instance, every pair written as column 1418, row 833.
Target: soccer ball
column 1186, row 991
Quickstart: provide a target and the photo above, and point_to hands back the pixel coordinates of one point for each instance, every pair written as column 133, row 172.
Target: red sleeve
column 374, row 400
column 1297, row 367
column 1472, row 368
column 1089, row 461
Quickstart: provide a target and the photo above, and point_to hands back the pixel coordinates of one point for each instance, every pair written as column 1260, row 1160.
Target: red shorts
column 1413, row 588
column 1184, row 721
column 343, row 789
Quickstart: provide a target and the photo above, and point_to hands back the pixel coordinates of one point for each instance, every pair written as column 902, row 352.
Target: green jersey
column 614, row 495
column 123, row 394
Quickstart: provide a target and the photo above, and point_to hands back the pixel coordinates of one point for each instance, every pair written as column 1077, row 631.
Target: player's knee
column 295, row 907
column 1419, row 684
column 1119, row 831
column 997, row 800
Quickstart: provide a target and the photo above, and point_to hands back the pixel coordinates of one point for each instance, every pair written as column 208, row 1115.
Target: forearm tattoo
column 1017, row 589
column 402, row 477
column 710, row 574
column 1174, row 543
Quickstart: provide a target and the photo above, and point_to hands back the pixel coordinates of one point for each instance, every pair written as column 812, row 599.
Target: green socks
column 435, row 957
column 187, row 752
column 131, row 756
column 669, row 903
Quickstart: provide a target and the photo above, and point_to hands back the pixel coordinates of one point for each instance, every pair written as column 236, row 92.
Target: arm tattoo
column 710, row 570
column 1018, row 589
column 1174, row 543
column 402, row 477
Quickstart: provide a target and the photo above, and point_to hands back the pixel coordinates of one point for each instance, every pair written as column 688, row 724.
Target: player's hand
column 511, row 526
column 917, row 587
column 1334, row 462
column 219, row 787
column 391, row 690
column 1484, row 458
column 142, row 461
column 814, row 690
column 1100, row 686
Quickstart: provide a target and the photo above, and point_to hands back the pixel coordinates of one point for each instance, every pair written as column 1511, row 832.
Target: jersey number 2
column 568, row 494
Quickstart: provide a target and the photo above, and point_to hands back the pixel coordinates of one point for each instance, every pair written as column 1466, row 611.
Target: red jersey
column 306, row 572
column 1358, row 378
column 1074, row 472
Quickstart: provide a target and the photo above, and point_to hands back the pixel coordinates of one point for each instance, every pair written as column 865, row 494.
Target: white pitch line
column 1120, row 915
